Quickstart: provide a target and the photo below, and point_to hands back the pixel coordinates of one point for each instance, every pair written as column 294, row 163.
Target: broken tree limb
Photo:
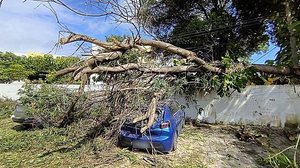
column 103, row 57
column 78, row 37
column 272, row 69
column 151, row 111
column 138, row 67
column 118, row 48
column 78, row 71
column 269, row 69
column 84, row 80
column 95, row 61
column 189, row 55
column 147, row 114
column 81, row 73
column 66, row 71
column 91, row 62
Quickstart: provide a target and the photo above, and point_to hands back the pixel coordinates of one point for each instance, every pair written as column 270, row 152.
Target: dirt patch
column 220, row 148
column 217, row 146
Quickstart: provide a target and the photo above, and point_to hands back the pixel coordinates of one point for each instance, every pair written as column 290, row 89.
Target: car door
column 177, row 114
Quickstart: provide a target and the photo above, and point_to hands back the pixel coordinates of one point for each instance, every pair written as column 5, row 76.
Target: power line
column 248, row 22
column 264, row 55
column 245, row 23
column 197, row 34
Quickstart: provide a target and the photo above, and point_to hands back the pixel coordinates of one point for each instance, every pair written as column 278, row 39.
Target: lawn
column 198, row 146
column 51, row 147
column 21, row 148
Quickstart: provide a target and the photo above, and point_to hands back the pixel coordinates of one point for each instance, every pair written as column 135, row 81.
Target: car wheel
column 175, row 141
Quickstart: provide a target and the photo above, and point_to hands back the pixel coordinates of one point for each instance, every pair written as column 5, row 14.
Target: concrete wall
column 258, row 105
column 11, row 90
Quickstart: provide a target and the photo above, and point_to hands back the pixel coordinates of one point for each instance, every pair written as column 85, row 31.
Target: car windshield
column 158, row 114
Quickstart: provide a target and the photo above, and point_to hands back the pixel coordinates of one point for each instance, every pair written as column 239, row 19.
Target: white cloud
column 28, row 26
column 25, row 27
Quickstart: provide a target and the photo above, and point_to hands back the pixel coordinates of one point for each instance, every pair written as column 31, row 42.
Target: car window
column 174, row 107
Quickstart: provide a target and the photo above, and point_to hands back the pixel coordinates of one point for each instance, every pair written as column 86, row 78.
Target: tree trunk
column 294, row 59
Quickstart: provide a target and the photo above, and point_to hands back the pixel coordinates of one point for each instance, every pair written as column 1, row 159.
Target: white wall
column 275, row 105
column 11, row 90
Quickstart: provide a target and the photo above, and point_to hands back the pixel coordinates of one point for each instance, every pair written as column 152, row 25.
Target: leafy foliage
column 49, row 103
column 212, row 28
column 6, row 107
column 229, row 32
column 14, row 68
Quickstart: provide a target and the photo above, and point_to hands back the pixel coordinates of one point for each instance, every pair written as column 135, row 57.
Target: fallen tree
column 99, row 64
column 167, row 69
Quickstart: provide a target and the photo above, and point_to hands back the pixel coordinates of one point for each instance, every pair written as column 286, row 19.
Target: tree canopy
column 212, row 28
column 196, row 45
column 32, row 67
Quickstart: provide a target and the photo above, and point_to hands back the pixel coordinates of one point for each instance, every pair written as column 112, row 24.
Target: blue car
column 163, row 134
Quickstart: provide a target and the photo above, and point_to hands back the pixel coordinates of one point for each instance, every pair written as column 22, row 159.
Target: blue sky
column 31, row 27
column 27, row 27
column 262, row 57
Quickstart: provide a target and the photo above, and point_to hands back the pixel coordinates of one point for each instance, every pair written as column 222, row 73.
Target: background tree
column 32, row 67
column 242, row 31
column 212, row 28
column 12, row 68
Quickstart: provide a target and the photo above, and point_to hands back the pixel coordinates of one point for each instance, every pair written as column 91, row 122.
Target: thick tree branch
column 189, row 55
column 103, row 57
column 90, row 62
column 272, row 69
column 150, row 113
column 66, row 71
column 133, row 66
column 117, row 47
column 78, row 37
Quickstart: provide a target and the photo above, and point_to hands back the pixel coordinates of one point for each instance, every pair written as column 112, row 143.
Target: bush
column 7, row 106
column 49, row 103
column 57, row 106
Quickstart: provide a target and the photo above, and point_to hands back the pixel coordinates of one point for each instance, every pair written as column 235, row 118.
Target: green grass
column 282, row 160
column 25, row 148
column 6, row 107
column 44, row 147
column 40, row 148
column 48, row 147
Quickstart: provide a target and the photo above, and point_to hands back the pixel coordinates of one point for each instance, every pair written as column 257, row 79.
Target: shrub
column 7, row 106
column 56, row 105
column 49, row 103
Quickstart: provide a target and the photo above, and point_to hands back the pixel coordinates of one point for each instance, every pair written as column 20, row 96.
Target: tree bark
column 118, row 49
column 294, row 58
column 137, row 67
column 66, row 71
column 189, row 55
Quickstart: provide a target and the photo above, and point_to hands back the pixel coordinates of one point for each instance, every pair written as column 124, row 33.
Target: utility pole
column 294, row 58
